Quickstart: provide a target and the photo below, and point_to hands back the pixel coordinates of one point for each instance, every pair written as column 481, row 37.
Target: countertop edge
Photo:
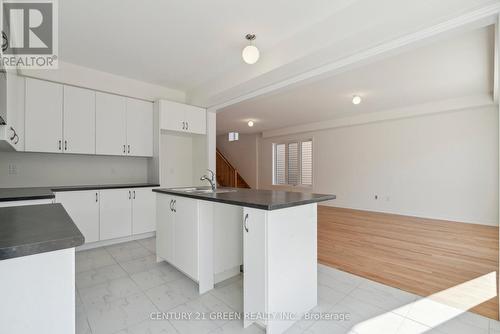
column 13, row 252
column 269, row 207
column 56, row 189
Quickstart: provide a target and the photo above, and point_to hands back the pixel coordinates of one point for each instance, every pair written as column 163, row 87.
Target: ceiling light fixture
column 356, row 99
column 250, row 53
column 250, row 123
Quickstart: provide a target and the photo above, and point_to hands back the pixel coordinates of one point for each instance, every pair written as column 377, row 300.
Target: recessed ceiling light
column 250, row 53
column 356, row 99
column 250, row 123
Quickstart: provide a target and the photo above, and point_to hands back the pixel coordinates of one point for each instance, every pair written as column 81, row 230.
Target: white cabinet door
column 186, row 236
column 115, row 213
column 111, row 124
column 172, row 115
column 165, row 238
column 143, row 210
column 254, row 262
column 196, row 120
column 14, row 104
column 83, row 208
column 139, row 128
column 79, row 120
column 43, row 116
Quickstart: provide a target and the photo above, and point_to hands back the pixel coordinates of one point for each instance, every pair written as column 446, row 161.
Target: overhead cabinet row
column 68, row 119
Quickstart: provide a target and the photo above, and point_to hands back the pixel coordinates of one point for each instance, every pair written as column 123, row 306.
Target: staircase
column 227, row 175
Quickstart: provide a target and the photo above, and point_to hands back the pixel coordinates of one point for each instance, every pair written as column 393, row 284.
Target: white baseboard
column 115, row 241
column 219, row 277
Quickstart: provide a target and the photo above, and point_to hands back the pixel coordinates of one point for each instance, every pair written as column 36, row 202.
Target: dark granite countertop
column 33, row 229
column 22, row 194
column 259, row 199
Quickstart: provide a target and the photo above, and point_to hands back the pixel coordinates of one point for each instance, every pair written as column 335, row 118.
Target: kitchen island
column 279, row 245
column 37, row 269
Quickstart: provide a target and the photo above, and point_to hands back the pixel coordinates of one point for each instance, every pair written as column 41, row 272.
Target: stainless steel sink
column 204, row 190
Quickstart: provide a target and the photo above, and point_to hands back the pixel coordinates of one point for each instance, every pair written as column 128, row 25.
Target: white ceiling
column 195, row 45
column 178, row 43
column 452, row 68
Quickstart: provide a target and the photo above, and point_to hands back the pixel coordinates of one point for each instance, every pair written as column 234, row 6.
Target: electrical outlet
column 12, row 169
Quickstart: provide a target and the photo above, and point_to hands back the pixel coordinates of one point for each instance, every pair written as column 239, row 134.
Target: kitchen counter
column 258, row 199
column 23, row 194
column 34, row 229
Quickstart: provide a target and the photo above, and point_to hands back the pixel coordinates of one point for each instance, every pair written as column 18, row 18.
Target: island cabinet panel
column 165, row 238
column 177, row 233
column 115, row 213
column 186, row 236
column 83, row 208
column 254, row 261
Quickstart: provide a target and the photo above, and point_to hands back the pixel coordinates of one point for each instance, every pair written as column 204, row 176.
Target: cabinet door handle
column 183, row 125
column 96, row 197
column 14, row 134
column 134, row 194
column 129, row 194
column 187, row 125
column 123, row 149
column 245, row 223
column 65, row 145
column 128, row 149
column 60, row 142
column 171, row 203
column 175, row 205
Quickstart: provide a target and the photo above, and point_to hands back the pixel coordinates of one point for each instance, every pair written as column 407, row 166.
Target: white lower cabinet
column 177, row 233
column 115, row 213
column 83, row 208
column 110, row 213
column 143, row 210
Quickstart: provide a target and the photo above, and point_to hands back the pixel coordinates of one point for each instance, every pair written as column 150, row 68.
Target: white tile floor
column 119, row 286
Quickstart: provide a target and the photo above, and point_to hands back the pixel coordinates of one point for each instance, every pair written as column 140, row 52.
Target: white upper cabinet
column 196, row 120
column 139, row 128
column 111, row 124
column 182, row 117
column 79, row 120
column 43, row 116
column 12, row 88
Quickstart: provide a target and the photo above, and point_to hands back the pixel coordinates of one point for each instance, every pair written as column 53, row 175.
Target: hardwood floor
column 422, row 256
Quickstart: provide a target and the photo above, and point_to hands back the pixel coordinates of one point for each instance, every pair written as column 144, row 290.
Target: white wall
column 442, row 166
column 44, row 169
column 242, row 154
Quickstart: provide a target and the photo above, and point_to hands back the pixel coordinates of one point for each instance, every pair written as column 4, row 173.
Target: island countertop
column 32, row 229
column 258, row 199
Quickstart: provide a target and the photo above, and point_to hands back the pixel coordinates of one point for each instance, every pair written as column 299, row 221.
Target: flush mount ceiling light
column 250, row 123
column 356, row 99
column 250, row 53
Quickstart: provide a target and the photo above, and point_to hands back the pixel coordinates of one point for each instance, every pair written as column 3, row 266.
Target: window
column 292, row 163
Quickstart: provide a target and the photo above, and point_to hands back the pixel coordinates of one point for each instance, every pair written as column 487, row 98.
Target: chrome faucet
column 211, row 179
